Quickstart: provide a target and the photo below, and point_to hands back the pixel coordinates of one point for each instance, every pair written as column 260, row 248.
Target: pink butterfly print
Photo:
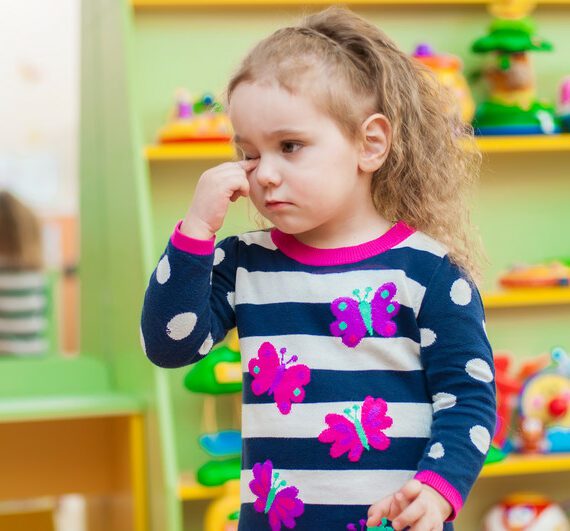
column 352, row 434
column 280, row 504
column 272, row 375
column 356, row 318
column 363, row 527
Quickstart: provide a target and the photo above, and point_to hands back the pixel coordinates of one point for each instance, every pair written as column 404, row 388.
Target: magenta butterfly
column 280, row 504
column 272, row 375
column 356, row 318
column 352, row 434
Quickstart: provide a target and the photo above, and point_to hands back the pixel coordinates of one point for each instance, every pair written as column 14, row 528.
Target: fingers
column 378, row 511
column 411, row 489
column 419, row 516
column 248, row 164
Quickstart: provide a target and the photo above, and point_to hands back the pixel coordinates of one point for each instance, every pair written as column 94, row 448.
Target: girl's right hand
column 214, row 191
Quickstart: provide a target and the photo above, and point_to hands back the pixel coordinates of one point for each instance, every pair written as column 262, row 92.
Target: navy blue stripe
column 314, row 518
column 418, row 265
column 404, row 453
column 305, row 318
column 340, row 386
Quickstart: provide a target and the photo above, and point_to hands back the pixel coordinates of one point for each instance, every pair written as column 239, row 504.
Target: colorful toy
column 219, row 372
column 563, row 108
column 544, row 407
column 203, row 120
column 384, row 526
column 554, row 273
column 512, row 107
column 448, row 69
column 526, row 512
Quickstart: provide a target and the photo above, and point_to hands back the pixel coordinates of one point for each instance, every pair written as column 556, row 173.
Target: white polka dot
column 206, row 346
column 219, row 255
column 481, row 438
column 443, row 401
column 461, row 292
column 143, row 345
column 427, row 337
column 479, row 370
column 181, row 325
column 231, row 297
column 437, row 451
column 484, row 326
column 163, row 270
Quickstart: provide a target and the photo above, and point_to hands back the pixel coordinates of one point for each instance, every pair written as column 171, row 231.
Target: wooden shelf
column 521, row 297
column 223, row 151
column 189, row 489
column 196, row 151
column 524, row 143
column 167, row 4
column 516, row 465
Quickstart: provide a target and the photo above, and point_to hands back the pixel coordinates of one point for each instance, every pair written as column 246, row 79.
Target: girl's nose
column 266, row 173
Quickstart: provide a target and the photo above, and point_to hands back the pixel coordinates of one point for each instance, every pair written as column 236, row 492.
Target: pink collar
column 305, row 254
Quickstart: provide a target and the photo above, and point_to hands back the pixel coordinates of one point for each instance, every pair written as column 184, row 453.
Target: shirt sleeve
column 458, row 363
column 189, row 302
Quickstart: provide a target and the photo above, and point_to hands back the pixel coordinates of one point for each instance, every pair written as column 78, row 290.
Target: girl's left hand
column 415, row 505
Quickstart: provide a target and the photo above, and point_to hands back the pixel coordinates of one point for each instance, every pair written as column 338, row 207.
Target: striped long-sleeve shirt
column 23, row 313
column 363, row 367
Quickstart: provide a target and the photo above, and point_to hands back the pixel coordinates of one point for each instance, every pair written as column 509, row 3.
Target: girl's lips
column 272, row 205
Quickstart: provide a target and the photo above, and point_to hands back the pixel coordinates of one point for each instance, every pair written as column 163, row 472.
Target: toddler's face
column 307, row 181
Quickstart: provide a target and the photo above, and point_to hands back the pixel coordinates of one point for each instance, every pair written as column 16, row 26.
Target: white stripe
column 372, row 353
column 261, row 287
column 336, row 487
column 23, row 303
column 21, row 280
column 261, row 238
column 422, row 242
column 308, row 420
column 22, row 325
column 23, row 346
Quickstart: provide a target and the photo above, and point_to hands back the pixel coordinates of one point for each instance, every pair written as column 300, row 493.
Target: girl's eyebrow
column 277, row 133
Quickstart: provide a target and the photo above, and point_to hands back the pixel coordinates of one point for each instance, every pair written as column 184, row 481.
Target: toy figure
column 526, row 512
column 554, row 273
column 448, row 69
column 512, row 107
column 202, row 120
column 564, row 104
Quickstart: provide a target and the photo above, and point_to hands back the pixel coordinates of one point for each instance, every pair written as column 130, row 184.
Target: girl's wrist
column 196, row 229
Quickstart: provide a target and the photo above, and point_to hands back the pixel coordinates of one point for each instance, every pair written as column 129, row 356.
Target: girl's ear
column 376, row 134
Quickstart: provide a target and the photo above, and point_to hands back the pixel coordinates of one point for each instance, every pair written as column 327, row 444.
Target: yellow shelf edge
column 197, row 151
column 515, row 465
column 526, row 297
column 524, row 143
column 189, row 489
column 221, row 150
column 167, row 4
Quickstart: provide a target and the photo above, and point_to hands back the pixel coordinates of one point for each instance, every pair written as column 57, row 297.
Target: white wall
column 39, row 102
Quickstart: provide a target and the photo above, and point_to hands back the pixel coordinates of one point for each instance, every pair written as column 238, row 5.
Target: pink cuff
column 191, row 245
column 445, row 488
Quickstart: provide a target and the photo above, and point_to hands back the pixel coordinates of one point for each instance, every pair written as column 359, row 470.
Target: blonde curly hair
column 433, row 161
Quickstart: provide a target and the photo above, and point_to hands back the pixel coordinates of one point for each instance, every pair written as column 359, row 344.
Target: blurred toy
column 554, row 273
column 203, row 120
column 563, row 108
column 384, row 526
column 508, row 387
column 512, row 107
column 219, row 372
column 526, row 512
column 544, row 407
column 448, row 69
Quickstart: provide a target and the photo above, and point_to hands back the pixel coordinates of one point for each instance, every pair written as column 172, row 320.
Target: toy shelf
column 189, row 489
column 224, row 151
column 516, row 465
column 161, row 4
column 520, row 297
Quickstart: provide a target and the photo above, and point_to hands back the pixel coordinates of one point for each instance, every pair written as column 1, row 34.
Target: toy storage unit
column 136, row 54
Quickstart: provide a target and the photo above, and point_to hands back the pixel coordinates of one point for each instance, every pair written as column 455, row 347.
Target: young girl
column 23, row 303
column 368, row 388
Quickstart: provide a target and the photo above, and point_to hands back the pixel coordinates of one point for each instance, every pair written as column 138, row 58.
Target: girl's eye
column 290, row 147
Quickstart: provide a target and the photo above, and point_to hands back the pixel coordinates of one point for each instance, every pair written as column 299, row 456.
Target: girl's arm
column 188, row 305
